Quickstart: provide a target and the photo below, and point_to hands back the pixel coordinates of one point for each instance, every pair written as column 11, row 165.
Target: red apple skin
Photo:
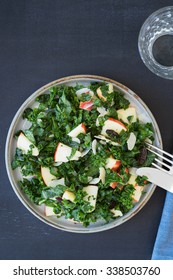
column 81, row 128
column 86, row 105
column 56, row 151
column 114, row 166
column 113, row 185
column 126, row 170
column 114, row 125
column 117, row 165
column 120, row 123
column 84, row 127
column 100, row 95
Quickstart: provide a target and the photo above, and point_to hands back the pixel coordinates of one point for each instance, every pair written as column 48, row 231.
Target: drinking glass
column 155, row 42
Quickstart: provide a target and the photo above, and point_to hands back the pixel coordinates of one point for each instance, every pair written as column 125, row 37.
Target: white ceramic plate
column 14, row 175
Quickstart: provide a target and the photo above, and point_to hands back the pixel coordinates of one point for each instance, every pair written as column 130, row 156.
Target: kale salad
column 79, row 156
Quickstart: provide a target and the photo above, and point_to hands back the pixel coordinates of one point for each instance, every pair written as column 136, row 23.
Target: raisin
column 112, row 205
column 112, row 133
column 142, row 156
column 59, row 199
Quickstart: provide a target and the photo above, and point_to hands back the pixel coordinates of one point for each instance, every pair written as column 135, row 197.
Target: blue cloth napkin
column 163, row 247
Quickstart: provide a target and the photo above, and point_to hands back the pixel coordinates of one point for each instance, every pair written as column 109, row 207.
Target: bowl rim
column 10, row 134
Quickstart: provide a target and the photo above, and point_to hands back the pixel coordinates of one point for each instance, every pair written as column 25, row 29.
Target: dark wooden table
column 41, row 41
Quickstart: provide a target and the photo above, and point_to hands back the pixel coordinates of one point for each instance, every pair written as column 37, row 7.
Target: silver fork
column 163, row 160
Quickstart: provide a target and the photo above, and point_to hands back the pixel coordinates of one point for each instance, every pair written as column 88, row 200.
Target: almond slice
column 94, row 146
column 54, row 183
column 102, row 111
column 102, row 137
column 85, row 152
column 75, row 139
column 95, row 181
column 131, row 141
column 102, row 174
column 84, row 90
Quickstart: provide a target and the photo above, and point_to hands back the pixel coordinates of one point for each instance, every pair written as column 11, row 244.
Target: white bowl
column 15, row 175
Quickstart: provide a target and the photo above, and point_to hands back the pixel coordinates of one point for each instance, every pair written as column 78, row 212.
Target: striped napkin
column 163, row 247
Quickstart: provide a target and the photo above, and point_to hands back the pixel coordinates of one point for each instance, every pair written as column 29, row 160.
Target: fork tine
column 162, row 163
column 159, row 155
column 160, row 150
column 160, row 168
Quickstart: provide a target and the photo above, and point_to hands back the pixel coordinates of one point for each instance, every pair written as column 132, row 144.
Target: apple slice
column 138, row 189
column 63, row 152
column 49, row 211
column 46, row 175
column 124, row 114
column 112, row 163
column 132, row 180
column 69, row 196
column 91, row 196
column 86, row 105
column 137, row 193
column 100, row 94
column 132, row 171
column 113, row 185
column 24, row 144
column 81, row 128
column 112, row 124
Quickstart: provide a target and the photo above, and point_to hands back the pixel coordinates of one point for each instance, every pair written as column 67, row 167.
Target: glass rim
column 156, row 67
